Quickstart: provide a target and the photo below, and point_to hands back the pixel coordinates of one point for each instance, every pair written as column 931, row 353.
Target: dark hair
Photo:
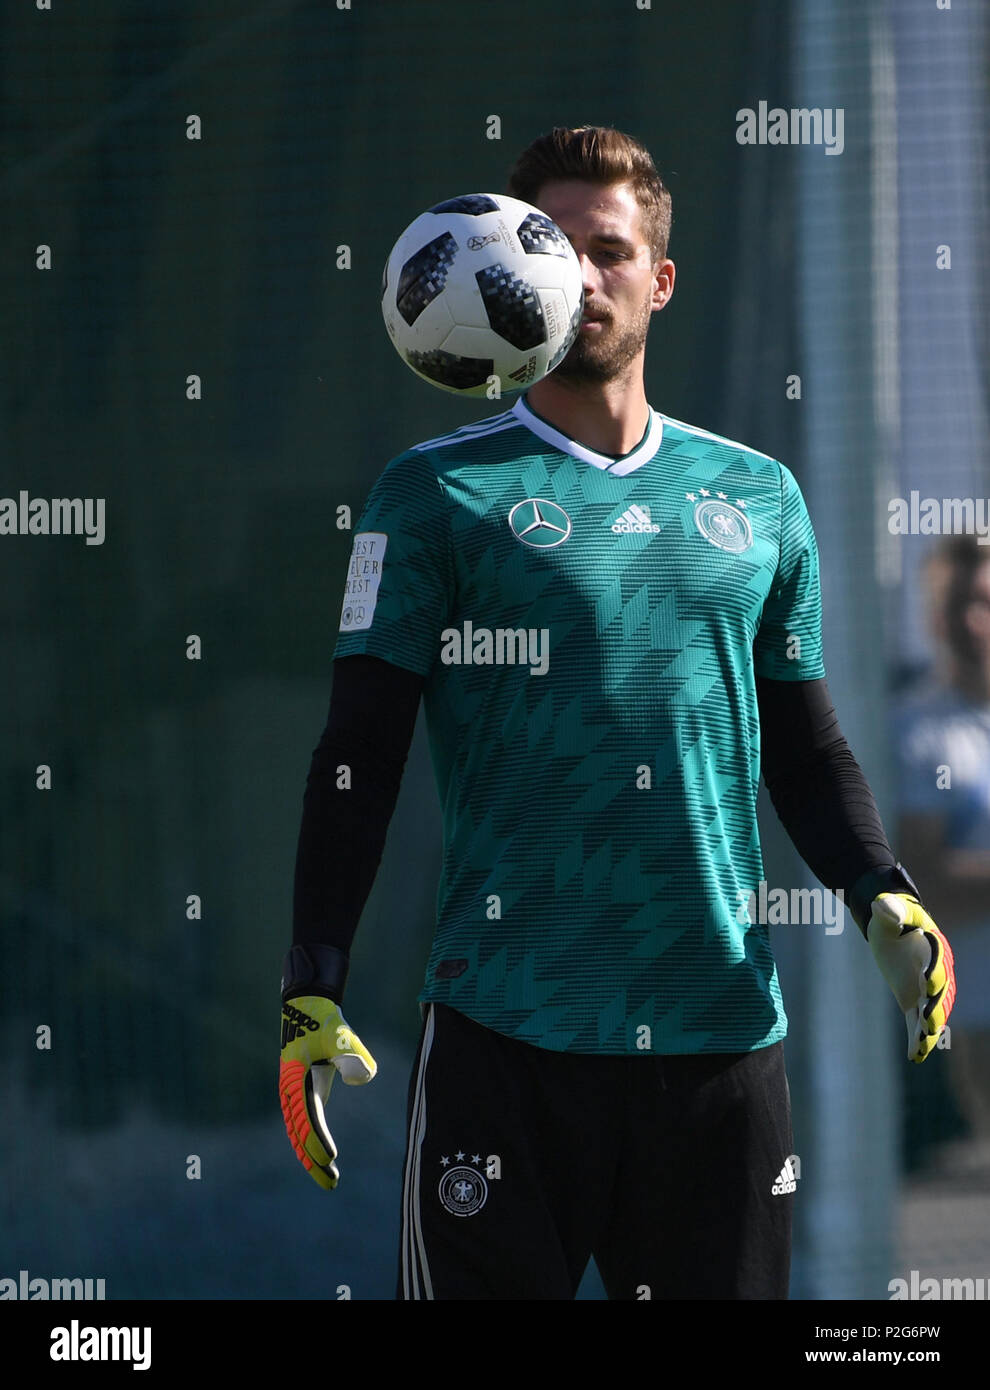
column 597, row 154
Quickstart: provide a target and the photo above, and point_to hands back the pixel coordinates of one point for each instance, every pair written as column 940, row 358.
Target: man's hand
column 316, row 1044
column 916, row 961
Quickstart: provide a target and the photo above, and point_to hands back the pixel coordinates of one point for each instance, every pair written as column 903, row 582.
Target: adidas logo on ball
column 635, row 518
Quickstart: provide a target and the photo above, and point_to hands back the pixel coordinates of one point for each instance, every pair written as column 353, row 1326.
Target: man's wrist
column 313, row 969
column 894, row 878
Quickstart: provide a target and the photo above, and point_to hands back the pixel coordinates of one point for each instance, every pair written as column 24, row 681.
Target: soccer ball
column 482, row 294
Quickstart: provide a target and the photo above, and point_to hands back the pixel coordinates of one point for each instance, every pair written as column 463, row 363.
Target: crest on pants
column 463, row 1191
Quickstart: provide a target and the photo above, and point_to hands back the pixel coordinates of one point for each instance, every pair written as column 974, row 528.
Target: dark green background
column 217, row 257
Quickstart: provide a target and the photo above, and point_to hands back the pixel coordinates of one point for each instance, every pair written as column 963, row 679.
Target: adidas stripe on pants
column 523, row 1163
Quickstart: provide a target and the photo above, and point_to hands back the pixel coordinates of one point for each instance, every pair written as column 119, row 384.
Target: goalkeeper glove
column 916, row 961
column 316, row 1044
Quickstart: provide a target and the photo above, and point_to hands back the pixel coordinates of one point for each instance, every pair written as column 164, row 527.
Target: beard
column 608, row 354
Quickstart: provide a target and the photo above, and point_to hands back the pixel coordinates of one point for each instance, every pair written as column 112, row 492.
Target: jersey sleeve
column 399, row 586
column 788, row 645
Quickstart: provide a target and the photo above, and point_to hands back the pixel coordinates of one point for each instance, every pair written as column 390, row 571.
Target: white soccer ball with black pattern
column 482, row 295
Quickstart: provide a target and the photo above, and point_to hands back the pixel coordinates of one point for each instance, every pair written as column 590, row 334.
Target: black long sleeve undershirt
column 816, row 786
column 369, row 728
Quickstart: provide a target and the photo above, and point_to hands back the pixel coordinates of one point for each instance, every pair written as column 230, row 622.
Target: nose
column 589, row 272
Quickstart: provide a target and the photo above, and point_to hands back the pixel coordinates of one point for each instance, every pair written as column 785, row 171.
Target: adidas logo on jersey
column 634, row 518
column 787, row 1177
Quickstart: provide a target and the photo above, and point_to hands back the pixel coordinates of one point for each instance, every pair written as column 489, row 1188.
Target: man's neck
column 610, row 418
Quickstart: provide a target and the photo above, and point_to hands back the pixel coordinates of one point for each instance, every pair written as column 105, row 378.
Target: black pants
column 522, row 1163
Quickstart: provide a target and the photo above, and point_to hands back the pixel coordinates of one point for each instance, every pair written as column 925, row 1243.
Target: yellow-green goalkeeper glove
column 316, row 1044
column 916, row 961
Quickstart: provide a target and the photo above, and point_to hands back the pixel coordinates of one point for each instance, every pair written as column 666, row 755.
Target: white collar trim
column 618, row 467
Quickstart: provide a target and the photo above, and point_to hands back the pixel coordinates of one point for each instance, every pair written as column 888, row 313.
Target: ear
column 663, row 284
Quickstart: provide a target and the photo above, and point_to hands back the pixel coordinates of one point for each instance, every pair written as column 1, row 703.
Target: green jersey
column 590, row 630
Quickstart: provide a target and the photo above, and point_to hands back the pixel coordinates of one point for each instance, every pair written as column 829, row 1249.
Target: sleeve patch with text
column 364, row 575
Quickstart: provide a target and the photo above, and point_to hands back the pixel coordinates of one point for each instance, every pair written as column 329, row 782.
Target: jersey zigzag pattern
column 590, row 630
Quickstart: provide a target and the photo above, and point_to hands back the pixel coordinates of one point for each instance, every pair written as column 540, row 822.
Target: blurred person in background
column 942, row 743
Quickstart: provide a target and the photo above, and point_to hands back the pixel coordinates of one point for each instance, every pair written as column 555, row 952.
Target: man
column 942, row 738
column 601, row 1067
